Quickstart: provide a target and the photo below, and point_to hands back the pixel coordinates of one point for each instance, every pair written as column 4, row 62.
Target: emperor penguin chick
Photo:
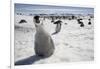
column 44, row 46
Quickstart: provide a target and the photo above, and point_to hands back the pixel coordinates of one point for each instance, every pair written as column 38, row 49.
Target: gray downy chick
column 44, row 45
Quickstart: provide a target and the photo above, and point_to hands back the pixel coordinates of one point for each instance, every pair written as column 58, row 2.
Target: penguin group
column 82, row 24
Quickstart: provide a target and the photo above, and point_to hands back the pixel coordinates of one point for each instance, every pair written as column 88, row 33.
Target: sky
column 51, row 9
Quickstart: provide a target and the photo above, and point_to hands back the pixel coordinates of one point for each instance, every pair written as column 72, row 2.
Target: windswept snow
column 72, row 44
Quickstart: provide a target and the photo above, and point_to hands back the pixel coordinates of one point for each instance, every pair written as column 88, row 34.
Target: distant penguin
column 44, row 46
column 22, row 21
column 52, row 19
column 89, row 23
column 81, row 25
column 58, row 27
column 79, row 21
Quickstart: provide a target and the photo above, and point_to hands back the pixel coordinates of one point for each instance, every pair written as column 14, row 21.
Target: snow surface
column 72, row 44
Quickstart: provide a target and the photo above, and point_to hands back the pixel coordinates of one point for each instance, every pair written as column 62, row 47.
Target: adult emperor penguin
column 58, row 27
column 44, row 46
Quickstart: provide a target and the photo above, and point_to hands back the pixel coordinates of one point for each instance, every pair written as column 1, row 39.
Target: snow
column 72, row 44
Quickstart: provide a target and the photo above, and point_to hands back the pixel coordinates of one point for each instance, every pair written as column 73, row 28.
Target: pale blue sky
column 49, row 9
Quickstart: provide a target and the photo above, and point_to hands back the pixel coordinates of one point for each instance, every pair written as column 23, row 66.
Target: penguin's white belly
column 58, row 28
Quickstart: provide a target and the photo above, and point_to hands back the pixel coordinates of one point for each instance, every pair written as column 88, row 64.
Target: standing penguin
column 80, row 22
column 44, row 46
column 58, row 27
column 89, row 23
